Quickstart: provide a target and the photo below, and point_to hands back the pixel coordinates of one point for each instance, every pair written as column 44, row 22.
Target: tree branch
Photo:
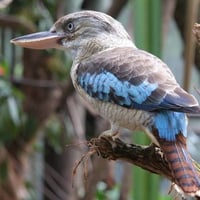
column 149, row 158
column 196, row 31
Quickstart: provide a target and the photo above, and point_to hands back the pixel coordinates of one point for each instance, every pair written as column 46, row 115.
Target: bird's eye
column 70, row 26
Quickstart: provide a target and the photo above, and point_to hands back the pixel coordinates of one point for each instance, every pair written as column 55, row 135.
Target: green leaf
column 53, row 131
column 13, row 110
column 5, row 89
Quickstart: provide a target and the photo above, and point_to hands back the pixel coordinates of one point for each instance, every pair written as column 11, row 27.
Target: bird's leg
column 113, row 132
column 151, row 136
column 110, row 136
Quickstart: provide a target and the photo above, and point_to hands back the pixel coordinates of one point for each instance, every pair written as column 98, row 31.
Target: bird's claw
column 109, row 134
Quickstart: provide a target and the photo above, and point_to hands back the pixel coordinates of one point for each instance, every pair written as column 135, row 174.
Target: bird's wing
column 134, row 79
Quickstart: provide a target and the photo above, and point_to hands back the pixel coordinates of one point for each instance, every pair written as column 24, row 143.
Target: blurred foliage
column 59, row 64
column 54, row 133
column 147, row 29
column 38, row 14
column 103, row 193
column 4, row 68
column 3, row 171
column 16, row 125
column 13, row 120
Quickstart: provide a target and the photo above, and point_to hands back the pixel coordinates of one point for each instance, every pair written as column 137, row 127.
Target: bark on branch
column 196, row 31
column 149, row 158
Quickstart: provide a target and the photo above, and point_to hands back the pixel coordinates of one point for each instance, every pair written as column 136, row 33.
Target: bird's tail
column 180, row 162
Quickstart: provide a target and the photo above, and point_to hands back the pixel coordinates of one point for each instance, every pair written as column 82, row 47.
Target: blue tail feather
column 169, row 124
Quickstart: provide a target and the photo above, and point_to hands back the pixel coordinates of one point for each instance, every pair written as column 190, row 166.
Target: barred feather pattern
column 184, row 173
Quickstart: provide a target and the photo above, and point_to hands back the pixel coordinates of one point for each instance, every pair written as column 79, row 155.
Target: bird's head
column 81, row 33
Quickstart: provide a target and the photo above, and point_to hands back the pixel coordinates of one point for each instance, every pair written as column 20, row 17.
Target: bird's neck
column 97, row 45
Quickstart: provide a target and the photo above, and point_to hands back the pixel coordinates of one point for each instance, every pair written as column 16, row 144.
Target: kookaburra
column 127, row 86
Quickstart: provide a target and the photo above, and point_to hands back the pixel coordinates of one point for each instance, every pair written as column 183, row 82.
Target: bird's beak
column 40, row 40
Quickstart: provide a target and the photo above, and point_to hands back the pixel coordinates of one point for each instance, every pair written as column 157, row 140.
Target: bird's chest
column 128, row 118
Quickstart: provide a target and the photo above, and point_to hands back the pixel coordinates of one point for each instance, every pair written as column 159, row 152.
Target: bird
column 129, row 87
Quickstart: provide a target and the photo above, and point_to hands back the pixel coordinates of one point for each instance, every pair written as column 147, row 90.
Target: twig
column 191, row 17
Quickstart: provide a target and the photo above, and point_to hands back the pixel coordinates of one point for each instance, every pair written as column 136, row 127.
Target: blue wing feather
column 107, row 87
column 134, row 79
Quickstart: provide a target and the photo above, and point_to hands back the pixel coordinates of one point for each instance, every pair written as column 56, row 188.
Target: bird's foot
column 110, row 134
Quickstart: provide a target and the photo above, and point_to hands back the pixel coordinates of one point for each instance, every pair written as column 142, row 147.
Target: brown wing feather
column 137, row 66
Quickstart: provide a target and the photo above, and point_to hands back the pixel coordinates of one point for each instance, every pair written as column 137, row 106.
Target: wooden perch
column 149, row 158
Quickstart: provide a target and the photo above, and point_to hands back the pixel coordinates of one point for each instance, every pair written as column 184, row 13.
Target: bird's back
column 133, row 78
